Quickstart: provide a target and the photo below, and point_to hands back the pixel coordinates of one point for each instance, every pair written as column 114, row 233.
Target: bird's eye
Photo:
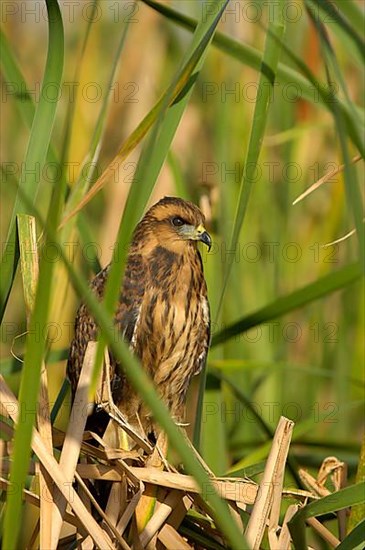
column 177, row 221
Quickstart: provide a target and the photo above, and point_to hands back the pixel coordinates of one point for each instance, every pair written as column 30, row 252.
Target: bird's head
column 176, row 224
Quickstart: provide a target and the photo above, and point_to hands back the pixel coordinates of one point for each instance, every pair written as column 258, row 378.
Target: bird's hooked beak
column 203, row 236
column 192, row 233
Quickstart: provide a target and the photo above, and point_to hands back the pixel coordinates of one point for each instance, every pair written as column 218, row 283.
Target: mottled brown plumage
column 163, row 311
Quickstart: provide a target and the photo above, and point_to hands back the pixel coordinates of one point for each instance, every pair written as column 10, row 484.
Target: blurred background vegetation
column 306, row 364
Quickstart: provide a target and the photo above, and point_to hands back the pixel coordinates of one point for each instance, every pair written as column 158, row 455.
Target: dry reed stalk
column 29, row 262
column 336, row 470
column 160, row 516
column 234, row 510
column 284, row 539
column 158, row 496
column 117, row 502
column 323, row 532
column 171, row 539
column 35, row 500
column 73, row 439
column 267, row 504
column 56, row 473
column 235, row 489
column 324, row 179
column 168, row 534
column 103, row 514
column 45, row 481
column 129, row 511
column 175, row 493
column 87, row 544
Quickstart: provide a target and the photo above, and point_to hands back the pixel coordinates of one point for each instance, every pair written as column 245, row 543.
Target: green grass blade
column 301, row 429
column 15, row 84
column 265, row 428
column 213, row 430
column 351, row 113
column 92, row 157
column 353, row 12
column 28, row 258
column 35, row 348
column 11, row 365
column 182, row 190
column 151, row 163
column 299, row 298
column 28, row 398
column 355, row 539
column 353, row 193
column 236, row 365
column 350, row 496
column 265, row 88
column 152, row 158
column 334, row 15
column 37, row 149
column 262, row 424
column 18, row 88
column 253, row 58
column 60, row 399
column 85, row 177
column 175, row 93
column 358, row 512
column 270, row 61
column 314, row 93
column 143, row 385
column 26, row 107
column 69, row 119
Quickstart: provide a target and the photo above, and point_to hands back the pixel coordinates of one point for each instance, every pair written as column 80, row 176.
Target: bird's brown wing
column 85, row 331
column 126, row 317
column 202, row 341
column 134, row 286
column 203, row 344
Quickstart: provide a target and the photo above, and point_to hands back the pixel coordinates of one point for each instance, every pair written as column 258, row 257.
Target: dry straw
column 173, row 495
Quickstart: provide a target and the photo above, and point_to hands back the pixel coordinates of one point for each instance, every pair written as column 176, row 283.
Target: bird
column 162, row 313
